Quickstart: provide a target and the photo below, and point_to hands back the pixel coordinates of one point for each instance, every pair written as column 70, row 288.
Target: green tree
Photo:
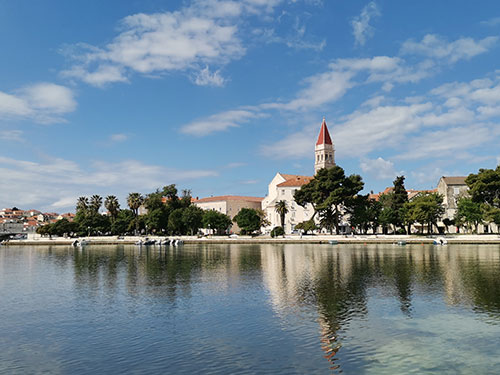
column 175, row 222
column 330, row 193
column 282, row 209
column 192, row 218
column 122, row 222
column 469, row 213
column 82, row 206
column 95, row 204
column 365, row 213
column 113, row 206
column 248, row 220
column 426, row 208
column 491, row 214
column 134, row 201
column 306, row 226
column 216, row 221
column 399, row 198
column 484, row 187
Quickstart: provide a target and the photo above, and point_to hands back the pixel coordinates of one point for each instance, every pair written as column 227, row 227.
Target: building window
column 282, row 191
column 456, row 191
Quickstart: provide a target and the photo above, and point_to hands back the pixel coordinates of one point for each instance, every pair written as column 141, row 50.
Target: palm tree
column 82, row 205
column 134, row 201
column 282, row 210
column 95, row 203
column 112, row 205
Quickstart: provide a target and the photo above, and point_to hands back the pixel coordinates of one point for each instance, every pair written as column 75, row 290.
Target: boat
column 401, row 243
column 333, row 242
column 440, row 241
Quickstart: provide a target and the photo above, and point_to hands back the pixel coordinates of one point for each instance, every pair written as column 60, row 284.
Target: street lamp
column 209, row 230
column 88, row 231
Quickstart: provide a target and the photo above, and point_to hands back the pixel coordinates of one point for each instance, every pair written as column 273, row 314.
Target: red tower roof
column 324, row 136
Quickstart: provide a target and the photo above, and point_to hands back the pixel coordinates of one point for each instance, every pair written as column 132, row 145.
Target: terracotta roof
column 324, row 135
column 295, row 180
column 411, row 193
column 455, row 180
column 229, row 198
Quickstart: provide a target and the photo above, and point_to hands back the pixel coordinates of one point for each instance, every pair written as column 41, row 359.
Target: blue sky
column 217, row 96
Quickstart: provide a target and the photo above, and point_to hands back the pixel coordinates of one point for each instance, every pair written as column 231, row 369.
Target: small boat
column 80, row 243
column 401, row 243
column 440, row 241
column 333, row 242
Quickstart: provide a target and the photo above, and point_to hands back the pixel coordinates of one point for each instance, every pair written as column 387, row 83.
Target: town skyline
column 218, row 96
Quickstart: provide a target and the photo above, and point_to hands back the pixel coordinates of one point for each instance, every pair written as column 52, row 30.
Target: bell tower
column 324, row 153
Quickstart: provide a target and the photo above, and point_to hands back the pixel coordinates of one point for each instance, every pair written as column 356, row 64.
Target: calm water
column 250, row 309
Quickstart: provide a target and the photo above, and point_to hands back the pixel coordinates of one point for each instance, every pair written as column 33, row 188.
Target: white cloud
column 449, row 142
column 202, row 34
column 119, row 137
column 58, row 180
column 361, row 28
column 437, row 47
column 321, row 89
column 491, row 22
column 103, row 75
column 297, row 145
column 379, row 168
column 11, row 135
column 220, row 121
column 206, row 78
column 42, row 102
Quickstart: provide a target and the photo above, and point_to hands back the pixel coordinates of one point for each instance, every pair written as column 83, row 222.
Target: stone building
column 451, row 188
column 229, row 205
column 283, row 186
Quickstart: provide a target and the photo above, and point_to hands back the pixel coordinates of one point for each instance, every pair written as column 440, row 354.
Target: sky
column 217, row 96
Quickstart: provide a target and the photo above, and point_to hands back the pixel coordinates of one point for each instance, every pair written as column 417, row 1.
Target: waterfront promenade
column 306, row 239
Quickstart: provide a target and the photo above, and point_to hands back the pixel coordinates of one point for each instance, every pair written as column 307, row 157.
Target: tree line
column 166, row 213
column 335, row 196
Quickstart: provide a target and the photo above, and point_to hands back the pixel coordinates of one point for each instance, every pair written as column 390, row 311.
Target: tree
column 425, row 208
column 447, row 222
column 122, row 222
column 192, row 217
column 134, row 201
column 484, row 187
column 306, row 226
column 469, row 213
column 248, row 220
column 95, row 204
column 112, row 205
column 330, row 193
column 365, row 213
column 216, row 221
column 82, row 205
column 175, row 222
column 491, row 214
column 399, row 199
column 282, row 210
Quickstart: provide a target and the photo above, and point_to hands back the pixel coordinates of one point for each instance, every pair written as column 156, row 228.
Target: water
column 250, row 309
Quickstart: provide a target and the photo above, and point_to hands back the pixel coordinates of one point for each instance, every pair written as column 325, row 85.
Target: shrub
column 277, row 231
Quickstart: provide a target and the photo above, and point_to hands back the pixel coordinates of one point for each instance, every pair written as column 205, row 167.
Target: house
column 452, row 188
column 283, row 187
column 229, row 205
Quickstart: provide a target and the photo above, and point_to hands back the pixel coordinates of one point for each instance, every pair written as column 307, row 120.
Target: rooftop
column 324, row 135
column 230, row 198
column 294, row 180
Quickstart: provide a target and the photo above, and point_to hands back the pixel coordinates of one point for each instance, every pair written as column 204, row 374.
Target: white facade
column 283, row 187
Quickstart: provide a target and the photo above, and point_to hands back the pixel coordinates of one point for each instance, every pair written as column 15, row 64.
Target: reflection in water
column 351, row 309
